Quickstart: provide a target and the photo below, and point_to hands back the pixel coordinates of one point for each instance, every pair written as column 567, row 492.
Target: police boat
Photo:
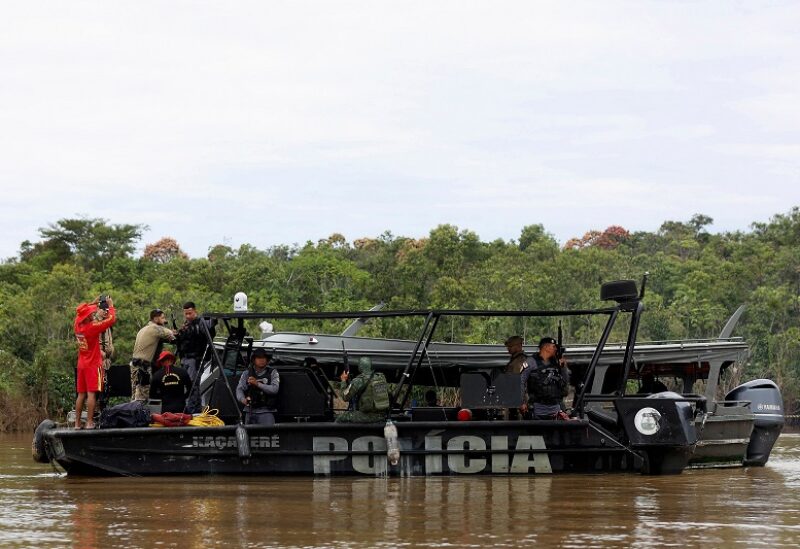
column 612, row 428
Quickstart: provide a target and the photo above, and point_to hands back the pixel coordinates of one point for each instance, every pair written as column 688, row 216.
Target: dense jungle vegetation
column 697, row 280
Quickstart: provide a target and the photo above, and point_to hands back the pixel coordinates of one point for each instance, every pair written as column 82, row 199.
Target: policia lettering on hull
column 334, row 453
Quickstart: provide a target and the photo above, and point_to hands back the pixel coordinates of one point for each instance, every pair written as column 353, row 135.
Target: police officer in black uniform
column 545, row 381
column 192, row 342
column 258, row 389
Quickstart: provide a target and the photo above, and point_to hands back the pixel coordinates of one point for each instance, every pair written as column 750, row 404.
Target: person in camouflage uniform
column 106, row 351
column 369, row 391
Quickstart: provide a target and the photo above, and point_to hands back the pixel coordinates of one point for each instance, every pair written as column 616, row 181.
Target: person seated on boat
column 517, row 361
column 170, row 383
column 544, row 382
column 431, row 399
column 370, row 393
column 651, row 385
column 258, row 389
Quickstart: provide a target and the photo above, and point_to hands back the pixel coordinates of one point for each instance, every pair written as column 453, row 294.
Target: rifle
column 175, row 329
column 345, row 361
column 351, row 405
column 559, row 346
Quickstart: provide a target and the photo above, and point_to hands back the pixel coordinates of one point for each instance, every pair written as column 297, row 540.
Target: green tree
column 89, row 242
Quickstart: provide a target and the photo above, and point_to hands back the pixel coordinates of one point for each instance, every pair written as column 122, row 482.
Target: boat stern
column 661, row 428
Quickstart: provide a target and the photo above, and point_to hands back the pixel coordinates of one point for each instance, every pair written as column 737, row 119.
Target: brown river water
column 753, row 507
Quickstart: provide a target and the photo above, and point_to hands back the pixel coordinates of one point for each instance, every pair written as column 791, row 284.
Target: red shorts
column 90, row 380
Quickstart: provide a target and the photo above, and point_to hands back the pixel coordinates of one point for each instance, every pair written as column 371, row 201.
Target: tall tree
column 89, row 242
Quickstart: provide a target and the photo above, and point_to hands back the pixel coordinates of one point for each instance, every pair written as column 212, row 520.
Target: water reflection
column 754, row 507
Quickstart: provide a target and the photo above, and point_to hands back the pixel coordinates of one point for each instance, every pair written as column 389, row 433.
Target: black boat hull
column 426, row 448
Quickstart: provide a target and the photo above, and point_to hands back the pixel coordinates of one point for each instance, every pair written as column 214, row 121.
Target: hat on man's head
column 260, row 352
column 83, row 311
column 546, row 340
column 164, row 356
column 513, row 340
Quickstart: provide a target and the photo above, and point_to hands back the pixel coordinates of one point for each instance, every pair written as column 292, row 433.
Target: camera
column 102, row 303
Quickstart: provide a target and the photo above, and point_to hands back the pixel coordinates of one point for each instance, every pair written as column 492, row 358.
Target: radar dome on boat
column 240, row 302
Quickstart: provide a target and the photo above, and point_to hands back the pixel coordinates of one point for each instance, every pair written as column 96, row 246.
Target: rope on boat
column 207, row 418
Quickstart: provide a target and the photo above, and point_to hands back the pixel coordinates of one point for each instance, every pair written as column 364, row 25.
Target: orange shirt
column 88, row 336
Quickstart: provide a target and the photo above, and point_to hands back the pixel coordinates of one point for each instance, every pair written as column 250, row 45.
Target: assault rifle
column 559, row 344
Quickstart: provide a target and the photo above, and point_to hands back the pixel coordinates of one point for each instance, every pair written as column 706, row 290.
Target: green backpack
column 376, row 394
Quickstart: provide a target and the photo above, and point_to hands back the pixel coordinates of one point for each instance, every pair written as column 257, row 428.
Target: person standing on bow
column 258, row 389
column 146, row 348
column 90, row 360
column 545, row 382
column 192, row 342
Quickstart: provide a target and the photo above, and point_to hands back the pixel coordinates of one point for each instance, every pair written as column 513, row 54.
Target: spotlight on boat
column 464, row 414
column 647, row 421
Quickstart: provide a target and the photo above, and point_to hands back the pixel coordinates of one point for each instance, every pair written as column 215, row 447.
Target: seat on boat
column 482, row 390
column 119, row 380
column 609, row 420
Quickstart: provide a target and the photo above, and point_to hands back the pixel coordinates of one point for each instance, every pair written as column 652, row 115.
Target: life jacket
column 545, row 383
column 375, row 397
column 258, row 398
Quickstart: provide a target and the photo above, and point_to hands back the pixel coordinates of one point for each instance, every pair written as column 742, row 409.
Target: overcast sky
column 279, row 122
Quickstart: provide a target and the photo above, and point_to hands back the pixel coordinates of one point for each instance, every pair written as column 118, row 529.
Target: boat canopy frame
column 629, row 302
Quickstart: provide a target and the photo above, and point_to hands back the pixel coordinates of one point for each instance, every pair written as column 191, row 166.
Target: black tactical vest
column 546, row 385
column 258, row 398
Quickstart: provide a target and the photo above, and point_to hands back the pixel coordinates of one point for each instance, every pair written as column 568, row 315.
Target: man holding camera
column 90, row 360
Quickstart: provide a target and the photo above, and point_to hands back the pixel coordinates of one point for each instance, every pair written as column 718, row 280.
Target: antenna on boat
column 644, row 283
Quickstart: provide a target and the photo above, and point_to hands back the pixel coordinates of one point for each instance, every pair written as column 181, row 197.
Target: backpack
column 547, row 385
column 376, row 394
column 129, row 414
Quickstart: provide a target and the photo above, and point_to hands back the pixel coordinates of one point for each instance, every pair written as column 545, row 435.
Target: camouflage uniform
column 357, row 389
column 108, row 354
column 107, row 348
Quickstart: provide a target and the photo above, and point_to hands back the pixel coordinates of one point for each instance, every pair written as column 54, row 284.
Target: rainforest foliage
column 697, row 280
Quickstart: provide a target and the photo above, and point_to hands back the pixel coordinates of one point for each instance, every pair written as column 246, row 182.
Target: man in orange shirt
column 90, row 360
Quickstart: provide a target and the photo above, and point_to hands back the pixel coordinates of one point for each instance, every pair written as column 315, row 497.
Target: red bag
column 168, row 419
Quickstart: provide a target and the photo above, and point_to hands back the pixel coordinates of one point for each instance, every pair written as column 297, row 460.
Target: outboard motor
column 767, row 406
